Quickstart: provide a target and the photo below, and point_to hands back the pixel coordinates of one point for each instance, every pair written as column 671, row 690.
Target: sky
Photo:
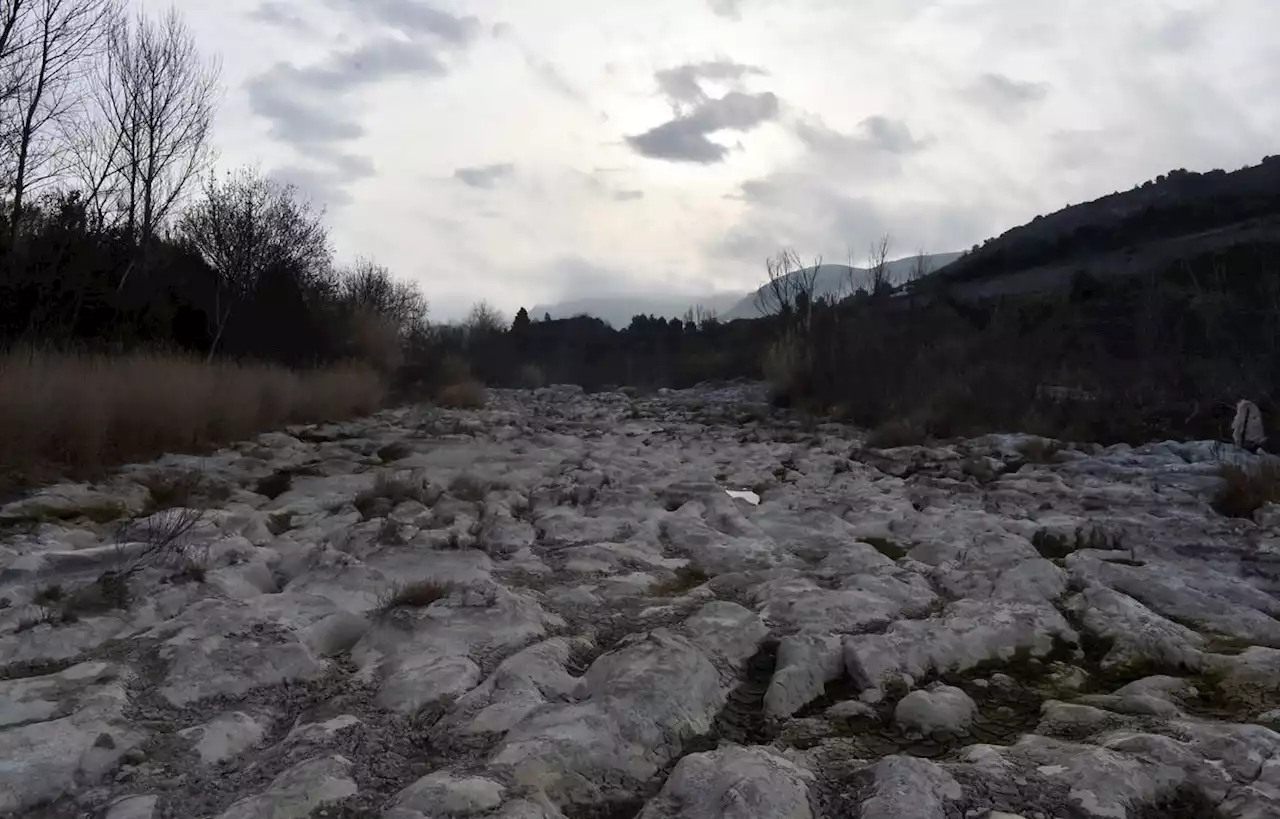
column 524, row 151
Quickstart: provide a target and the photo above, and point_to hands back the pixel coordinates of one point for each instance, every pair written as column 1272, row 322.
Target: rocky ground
column 555, row 607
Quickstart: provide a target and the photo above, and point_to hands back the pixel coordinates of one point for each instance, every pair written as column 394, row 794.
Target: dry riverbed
column 600, row 607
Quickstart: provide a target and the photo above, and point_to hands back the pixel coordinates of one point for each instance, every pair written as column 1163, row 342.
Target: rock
column 969, row 632
column 226, row 736
column 444, row 793
column 657, row 685
column 908, row 788
column 296, row 792
column 1246, row 427
column 732, row 781
column 56, row 724
column 940, row 708
column 806, row 663
column 133, row 807
column 726, row 632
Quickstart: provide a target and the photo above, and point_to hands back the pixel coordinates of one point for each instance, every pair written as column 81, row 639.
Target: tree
column 50, row 46
column 483, row 320
column 789, row 281
column 245, row 225
column 521, row 322
column 878, row 283
column 370, row 287
column 146, row 133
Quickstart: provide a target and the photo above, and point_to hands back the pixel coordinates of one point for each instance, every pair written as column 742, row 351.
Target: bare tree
column 484, row 319
column 371, row 287
column 878, row 284
column 52, row 45
column 790, row 286
column 245, row 225
column 146, row 136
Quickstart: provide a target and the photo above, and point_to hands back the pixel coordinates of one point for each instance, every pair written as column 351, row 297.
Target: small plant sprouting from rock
column 886, row 547
column 417, row 595
column 687, row 577
column 389, row 532
column 1247, row 489
column 182, row 488
column 390, row 490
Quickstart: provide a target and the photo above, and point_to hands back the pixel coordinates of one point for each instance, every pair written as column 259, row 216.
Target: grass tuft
column 416, row 595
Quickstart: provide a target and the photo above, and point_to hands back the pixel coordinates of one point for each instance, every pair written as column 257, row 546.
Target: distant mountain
column 619, row 310
column 832, row 280
column 1177, row 216
column 838, row 280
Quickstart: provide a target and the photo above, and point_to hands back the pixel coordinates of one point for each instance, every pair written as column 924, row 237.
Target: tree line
column 117, row 230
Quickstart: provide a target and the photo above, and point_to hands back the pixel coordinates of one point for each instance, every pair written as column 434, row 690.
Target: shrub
column 389, row 490
column 1246, row 490
column 467, row 395
column 785, row 362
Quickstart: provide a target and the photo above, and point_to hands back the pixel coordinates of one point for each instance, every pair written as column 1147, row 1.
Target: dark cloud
column 683, row 84
column 296, row 115
column 1005, row 95
column 370, row 63
column 413, row 17
column 685, row 138
column 484, row 176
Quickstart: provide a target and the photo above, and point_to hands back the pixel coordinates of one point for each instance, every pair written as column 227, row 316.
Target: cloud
column 1004, row 95
column 413, row 17
column 685, row 138
column 280, row 95
column 875, row 134
column 278, row 13
column 731, row 9
column 683, row 84
column 628, row 196
column 484, row 176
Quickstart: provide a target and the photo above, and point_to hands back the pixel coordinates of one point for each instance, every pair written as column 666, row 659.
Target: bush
column 532, row 377
column 1246, row 490
column 896, row 433
column 79, row 413
column 467, row 395
column 785, row 362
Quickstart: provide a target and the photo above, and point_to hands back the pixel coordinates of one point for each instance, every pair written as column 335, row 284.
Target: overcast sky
column 526, row 150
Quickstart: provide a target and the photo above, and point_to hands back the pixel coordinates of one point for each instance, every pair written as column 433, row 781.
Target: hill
column 1177, row 216
column 838, row 280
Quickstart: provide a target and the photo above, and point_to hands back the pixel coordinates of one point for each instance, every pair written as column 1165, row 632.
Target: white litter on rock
column 744, row 494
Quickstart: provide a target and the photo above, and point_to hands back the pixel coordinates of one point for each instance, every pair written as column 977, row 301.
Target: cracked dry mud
column 553, row 608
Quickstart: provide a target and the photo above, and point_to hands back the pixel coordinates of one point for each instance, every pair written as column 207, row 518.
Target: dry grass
column 416, row 595
column 1246, row 490
column 388, row 491
column 77, row 413
column 467, row 395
